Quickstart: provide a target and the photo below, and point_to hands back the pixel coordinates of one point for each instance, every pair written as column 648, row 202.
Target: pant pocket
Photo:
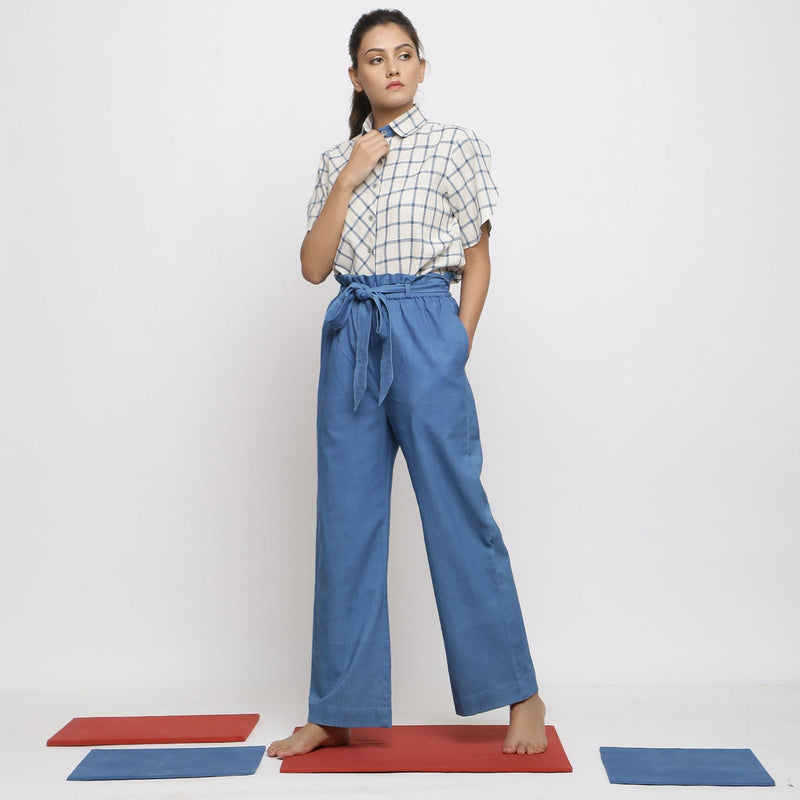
column 462, row 334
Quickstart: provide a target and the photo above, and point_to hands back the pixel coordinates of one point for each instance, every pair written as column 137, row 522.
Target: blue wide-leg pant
column 392, row 374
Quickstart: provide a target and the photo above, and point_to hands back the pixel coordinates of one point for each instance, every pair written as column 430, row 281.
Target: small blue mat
column 674, row 766
column 167, row 762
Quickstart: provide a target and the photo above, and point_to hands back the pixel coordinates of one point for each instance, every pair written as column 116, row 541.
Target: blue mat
column 674, row 766
column 167, row 762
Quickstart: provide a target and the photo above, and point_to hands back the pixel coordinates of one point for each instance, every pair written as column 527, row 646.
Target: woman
column 399, row 211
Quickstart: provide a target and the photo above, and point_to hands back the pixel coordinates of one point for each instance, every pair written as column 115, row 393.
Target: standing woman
column 399, row 211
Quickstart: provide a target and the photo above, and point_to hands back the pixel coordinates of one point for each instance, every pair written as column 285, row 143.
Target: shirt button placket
column 371, row 218
column 371, row 215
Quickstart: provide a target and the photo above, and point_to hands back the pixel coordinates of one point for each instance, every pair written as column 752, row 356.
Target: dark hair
column 359, row 105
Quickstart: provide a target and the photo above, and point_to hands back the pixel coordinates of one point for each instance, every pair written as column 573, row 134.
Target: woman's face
column 387, row 57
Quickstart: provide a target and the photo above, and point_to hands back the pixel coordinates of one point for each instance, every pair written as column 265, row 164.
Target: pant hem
column 504, row 695
column 349, row 717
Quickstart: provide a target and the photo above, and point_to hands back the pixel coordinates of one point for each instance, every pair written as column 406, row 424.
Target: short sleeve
column 320, row 193
column 471, row 191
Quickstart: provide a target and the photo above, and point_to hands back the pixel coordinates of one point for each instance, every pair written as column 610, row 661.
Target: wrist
column 345, row 182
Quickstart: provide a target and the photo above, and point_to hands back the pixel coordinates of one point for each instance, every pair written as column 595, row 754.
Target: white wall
column 635, row 369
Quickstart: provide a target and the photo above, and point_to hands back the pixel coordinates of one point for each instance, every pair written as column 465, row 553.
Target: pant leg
column 350, row 671
column 432, row 411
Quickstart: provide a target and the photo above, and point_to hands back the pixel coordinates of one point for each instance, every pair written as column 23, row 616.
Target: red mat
column 430, row 748
column 83, row 731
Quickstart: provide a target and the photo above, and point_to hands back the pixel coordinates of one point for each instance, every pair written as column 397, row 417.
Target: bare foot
column 309, row 737
column 526, row 727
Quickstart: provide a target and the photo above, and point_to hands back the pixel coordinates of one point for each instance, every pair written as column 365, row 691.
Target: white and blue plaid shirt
column 421, row 205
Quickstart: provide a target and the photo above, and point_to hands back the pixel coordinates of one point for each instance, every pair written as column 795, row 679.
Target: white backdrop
column 635, row 368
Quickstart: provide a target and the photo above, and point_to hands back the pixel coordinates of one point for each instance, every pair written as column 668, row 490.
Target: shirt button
column 371, row 217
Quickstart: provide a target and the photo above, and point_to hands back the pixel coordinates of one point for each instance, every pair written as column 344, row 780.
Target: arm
column 321, row 243
column 475, row 283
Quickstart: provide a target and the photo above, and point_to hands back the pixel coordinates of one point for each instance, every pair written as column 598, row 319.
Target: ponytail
column 359, row 111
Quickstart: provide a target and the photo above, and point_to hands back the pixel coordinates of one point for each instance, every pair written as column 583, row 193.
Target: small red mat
column 84, row 731
column 430, row 748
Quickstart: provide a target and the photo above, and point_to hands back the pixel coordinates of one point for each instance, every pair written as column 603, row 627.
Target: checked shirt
column 422, row 204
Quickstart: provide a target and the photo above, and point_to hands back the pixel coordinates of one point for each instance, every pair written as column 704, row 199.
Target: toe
column 280, row 750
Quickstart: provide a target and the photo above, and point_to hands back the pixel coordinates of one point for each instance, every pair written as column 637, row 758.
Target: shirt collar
column 403, row 125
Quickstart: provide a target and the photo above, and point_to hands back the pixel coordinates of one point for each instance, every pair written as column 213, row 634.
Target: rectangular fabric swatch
column 174, row 762
column 181, row 729
column 675, row 766
column 430, row 748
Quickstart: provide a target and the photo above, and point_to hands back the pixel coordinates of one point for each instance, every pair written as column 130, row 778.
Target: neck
column 383, row 116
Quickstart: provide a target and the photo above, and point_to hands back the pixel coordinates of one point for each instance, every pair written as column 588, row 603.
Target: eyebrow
column 381, row 50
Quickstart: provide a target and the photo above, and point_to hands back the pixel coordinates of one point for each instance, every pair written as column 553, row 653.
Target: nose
column 391, row 69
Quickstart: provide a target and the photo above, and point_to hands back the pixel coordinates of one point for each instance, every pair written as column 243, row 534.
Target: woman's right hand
column 321, row 242
column 368, row 149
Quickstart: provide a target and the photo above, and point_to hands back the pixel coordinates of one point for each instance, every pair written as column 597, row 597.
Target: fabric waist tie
column 357, row 295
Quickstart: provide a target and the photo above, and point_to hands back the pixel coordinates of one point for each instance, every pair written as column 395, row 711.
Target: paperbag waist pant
column 392, row 373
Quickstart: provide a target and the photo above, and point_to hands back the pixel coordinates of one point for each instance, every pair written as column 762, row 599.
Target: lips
column 392, row 85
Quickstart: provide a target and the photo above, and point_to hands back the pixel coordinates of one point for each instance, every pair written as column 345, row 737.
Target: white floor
column 763, row 718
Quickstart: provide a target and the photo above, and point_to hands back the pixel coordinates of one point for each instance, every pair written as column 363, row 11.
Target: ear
column 354, row 79
column 422, row 64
